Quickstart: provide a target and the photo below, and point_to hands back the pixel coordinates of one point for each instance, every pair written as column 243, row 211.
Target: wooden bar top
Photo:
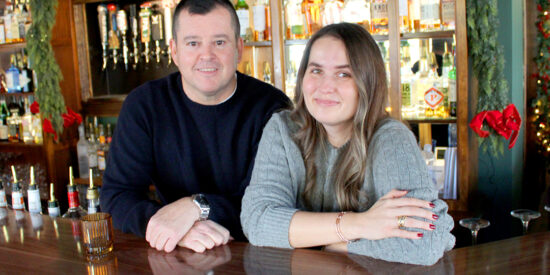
column 39, row 244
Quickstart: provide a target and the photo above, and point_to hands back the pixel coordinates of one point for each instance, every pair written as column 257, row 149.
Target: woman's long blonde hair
column 370, row 78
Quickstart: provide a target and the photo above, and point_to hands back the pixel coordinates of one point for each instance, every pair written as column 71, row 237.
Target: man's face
column 207, row 53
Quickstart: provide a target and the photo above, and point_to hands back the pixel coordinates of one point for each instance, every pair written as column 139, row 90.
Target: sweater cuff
column 276, row 226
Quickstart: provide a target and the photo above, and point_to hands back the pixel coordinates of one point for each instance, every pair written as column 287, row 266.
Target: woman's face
column 329, row 89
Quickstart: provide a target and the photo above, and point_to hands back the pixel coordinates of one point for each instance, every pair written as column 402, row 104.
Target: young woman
column 336, row 171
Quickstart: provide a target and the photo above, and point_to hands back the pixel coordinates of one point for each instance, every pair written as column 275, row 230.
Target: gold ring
column 401, row 221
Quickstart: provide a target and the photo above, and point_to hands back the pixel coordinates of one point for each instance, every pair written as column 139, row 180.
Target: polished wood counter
column 38, row 244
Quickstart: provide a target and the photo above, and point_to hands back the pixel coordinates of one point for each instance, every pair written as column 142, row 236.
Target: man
column 193, row 134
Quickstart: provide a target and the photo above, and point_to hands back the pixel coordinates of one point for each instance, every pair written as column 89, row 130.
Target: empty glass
column 97, row 234
column 525, row 215
column 474, row 224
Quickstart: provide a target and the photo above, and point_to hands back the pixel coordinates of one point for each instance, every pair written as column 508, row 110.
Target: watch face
column 202, row 203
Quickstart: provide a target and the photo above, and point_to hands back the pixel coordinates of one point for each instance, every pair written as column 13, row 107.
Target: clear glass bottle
column 379, row 13
column 92, row 155
column 260, row 21
column 26, row 124
column 312, row 10
column 358, row 12
column 3, row 201
column 53, row 204
column 14, row 125
column 267, row 73
column 25, row 78
column 243, row 13
column 75, row 210
column 82, row 153
column 102, row 151
column 332, row 12
column 33, row 195
column 92, row 195
column 406, row 81
column 429, row 15
column 295, row 20
column 404, row 18
column 448, row 14
column 12, row 76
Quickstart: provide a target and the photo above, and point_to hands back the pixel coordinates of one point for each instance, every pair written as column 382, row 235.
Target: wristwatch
column 202, row 203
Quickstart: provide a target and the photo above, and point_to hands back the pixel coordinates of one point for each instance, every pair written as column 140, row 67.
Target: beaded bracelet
column 338, row 230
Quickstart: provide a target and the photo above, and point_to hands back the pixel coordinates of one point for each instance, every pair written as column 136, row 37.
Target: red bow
column 507, row 123
column 70, row 118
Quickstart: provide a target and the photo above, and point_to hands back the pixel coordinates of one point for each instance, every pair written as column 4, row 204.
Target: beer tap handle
column 123, row 27
column 102, row 19
column 114, row 41
column 157, row 31
column 145, row 24
column 168, row 32
column 135, row 35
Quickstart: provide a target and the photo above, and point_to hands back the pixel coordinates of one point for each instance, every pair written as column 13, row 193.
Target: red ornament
column 35, row 108
column 506, row 124
column 48, row 128
column 539, row 7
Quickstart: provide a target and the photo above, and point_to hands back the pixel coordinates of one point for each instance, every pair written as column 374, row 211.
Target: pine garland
column 541, row 105
column 487, row 64
column 41, row 54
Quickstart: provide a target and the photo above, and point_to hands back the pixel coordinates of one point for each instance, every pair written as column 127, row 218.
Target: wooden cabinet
column 279, row 58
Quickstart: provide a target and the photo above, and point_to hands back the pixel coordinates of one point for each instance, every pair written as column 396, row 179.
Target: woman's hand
column 382, row 220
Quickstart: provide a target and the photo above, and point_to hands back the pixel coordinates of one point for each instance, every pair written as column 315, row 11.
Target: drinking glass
column 97, row 234
column 474, row 224
column 525, row 215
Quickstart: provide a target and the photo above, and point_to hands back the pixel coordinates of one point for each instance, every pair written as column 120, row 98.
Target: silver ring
column 401, row 221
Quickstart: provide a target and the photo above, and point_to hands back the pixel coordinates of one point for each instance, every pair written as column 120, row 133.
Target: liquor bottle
column 11, row 24
column 26, row 124
column 379, row 13
column 82, row 153
column 92, row 154
column 312, row 12
column 4, row 113
column 247, row 69
column 25, row 78
column 414, row 14
column 448, row 14
column 294, row 18
column 332, row 12
column 406, row 78
column 14, row 125
column 12, row 76
column 17, row 202
column 243, row 13
column 429, row 15
column 434, row 96
column 267, row 73
column 75, row 210
column 267, row 32
column 259, row 18
column 452, row 92
column 33, row 195
column 37, row 128
column 357, row 11
column 92, row 195
column 420, row 83
column 53, row 204
column 21, row 14
column 404, row 18
column 102, row 151
column 109, row 136
column 3, row 201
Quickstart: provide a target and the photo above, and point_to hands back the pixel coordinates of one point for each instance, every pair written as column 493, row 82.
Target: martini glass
column 547, row 207
column 525, row 215
column 474, row 224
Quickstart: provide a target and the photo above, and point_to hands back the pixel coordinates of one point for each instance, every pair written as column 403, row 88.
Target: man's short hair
column 203, row 7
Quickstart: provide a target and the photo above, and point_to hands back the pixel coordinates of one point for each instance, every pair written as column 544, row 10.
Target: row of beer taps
column 149, row 25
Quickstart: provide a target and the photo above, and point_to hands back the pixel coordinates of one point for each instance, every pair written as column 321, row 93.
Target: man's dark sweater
column 184, row 148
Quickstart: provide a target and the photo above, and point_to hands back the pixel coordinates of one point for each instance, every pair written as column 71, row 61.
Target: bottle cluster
column 18, row 78
column 17, row 122
column 15, row 22
column 305, row 17
column 255, row 20
column 93, row 148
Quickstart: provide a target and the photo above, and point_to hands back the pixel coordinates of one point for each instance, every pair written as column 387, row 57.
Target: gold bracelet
column 338, row 229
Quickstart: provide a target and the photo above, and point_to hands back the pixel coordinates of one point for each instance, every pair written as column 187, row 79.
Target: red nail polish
column 432, row 205
column 432, row 226
column 420, row 235
column 435, row 216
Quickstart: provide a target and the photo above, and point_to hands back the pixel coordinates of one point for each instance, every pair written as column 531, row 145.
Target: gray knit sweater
column 394, row 162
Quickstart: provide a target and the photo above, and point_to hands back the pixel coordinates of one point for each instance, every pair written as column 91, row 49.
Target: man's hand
column 205, row 235
column 168, row 226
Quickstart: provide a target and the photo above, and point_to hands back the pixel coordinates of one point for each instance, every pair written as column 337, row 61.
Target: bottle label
column 101, row 163
column 403, row 8
column 258, row 13
column 433, row 97
column 53, row 211
column 452, row 90
column 10, row 81
column 448, row 11
column 17, row 201
column 406, row 94
column 73, row 199
column 429, row 12
column 3, row 202
column 34, row 201
column 379, row 10
column 92, row 210
column 243, row 20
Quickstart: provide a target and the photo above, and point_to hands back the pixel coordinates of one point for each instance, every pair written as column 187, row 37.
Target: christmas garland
column 41, row 54
column 541, row 105
column 488, row 64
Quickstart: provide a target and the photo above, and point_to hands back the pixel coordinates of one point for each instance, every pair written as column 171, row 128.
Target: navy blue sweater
column 183, row 148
